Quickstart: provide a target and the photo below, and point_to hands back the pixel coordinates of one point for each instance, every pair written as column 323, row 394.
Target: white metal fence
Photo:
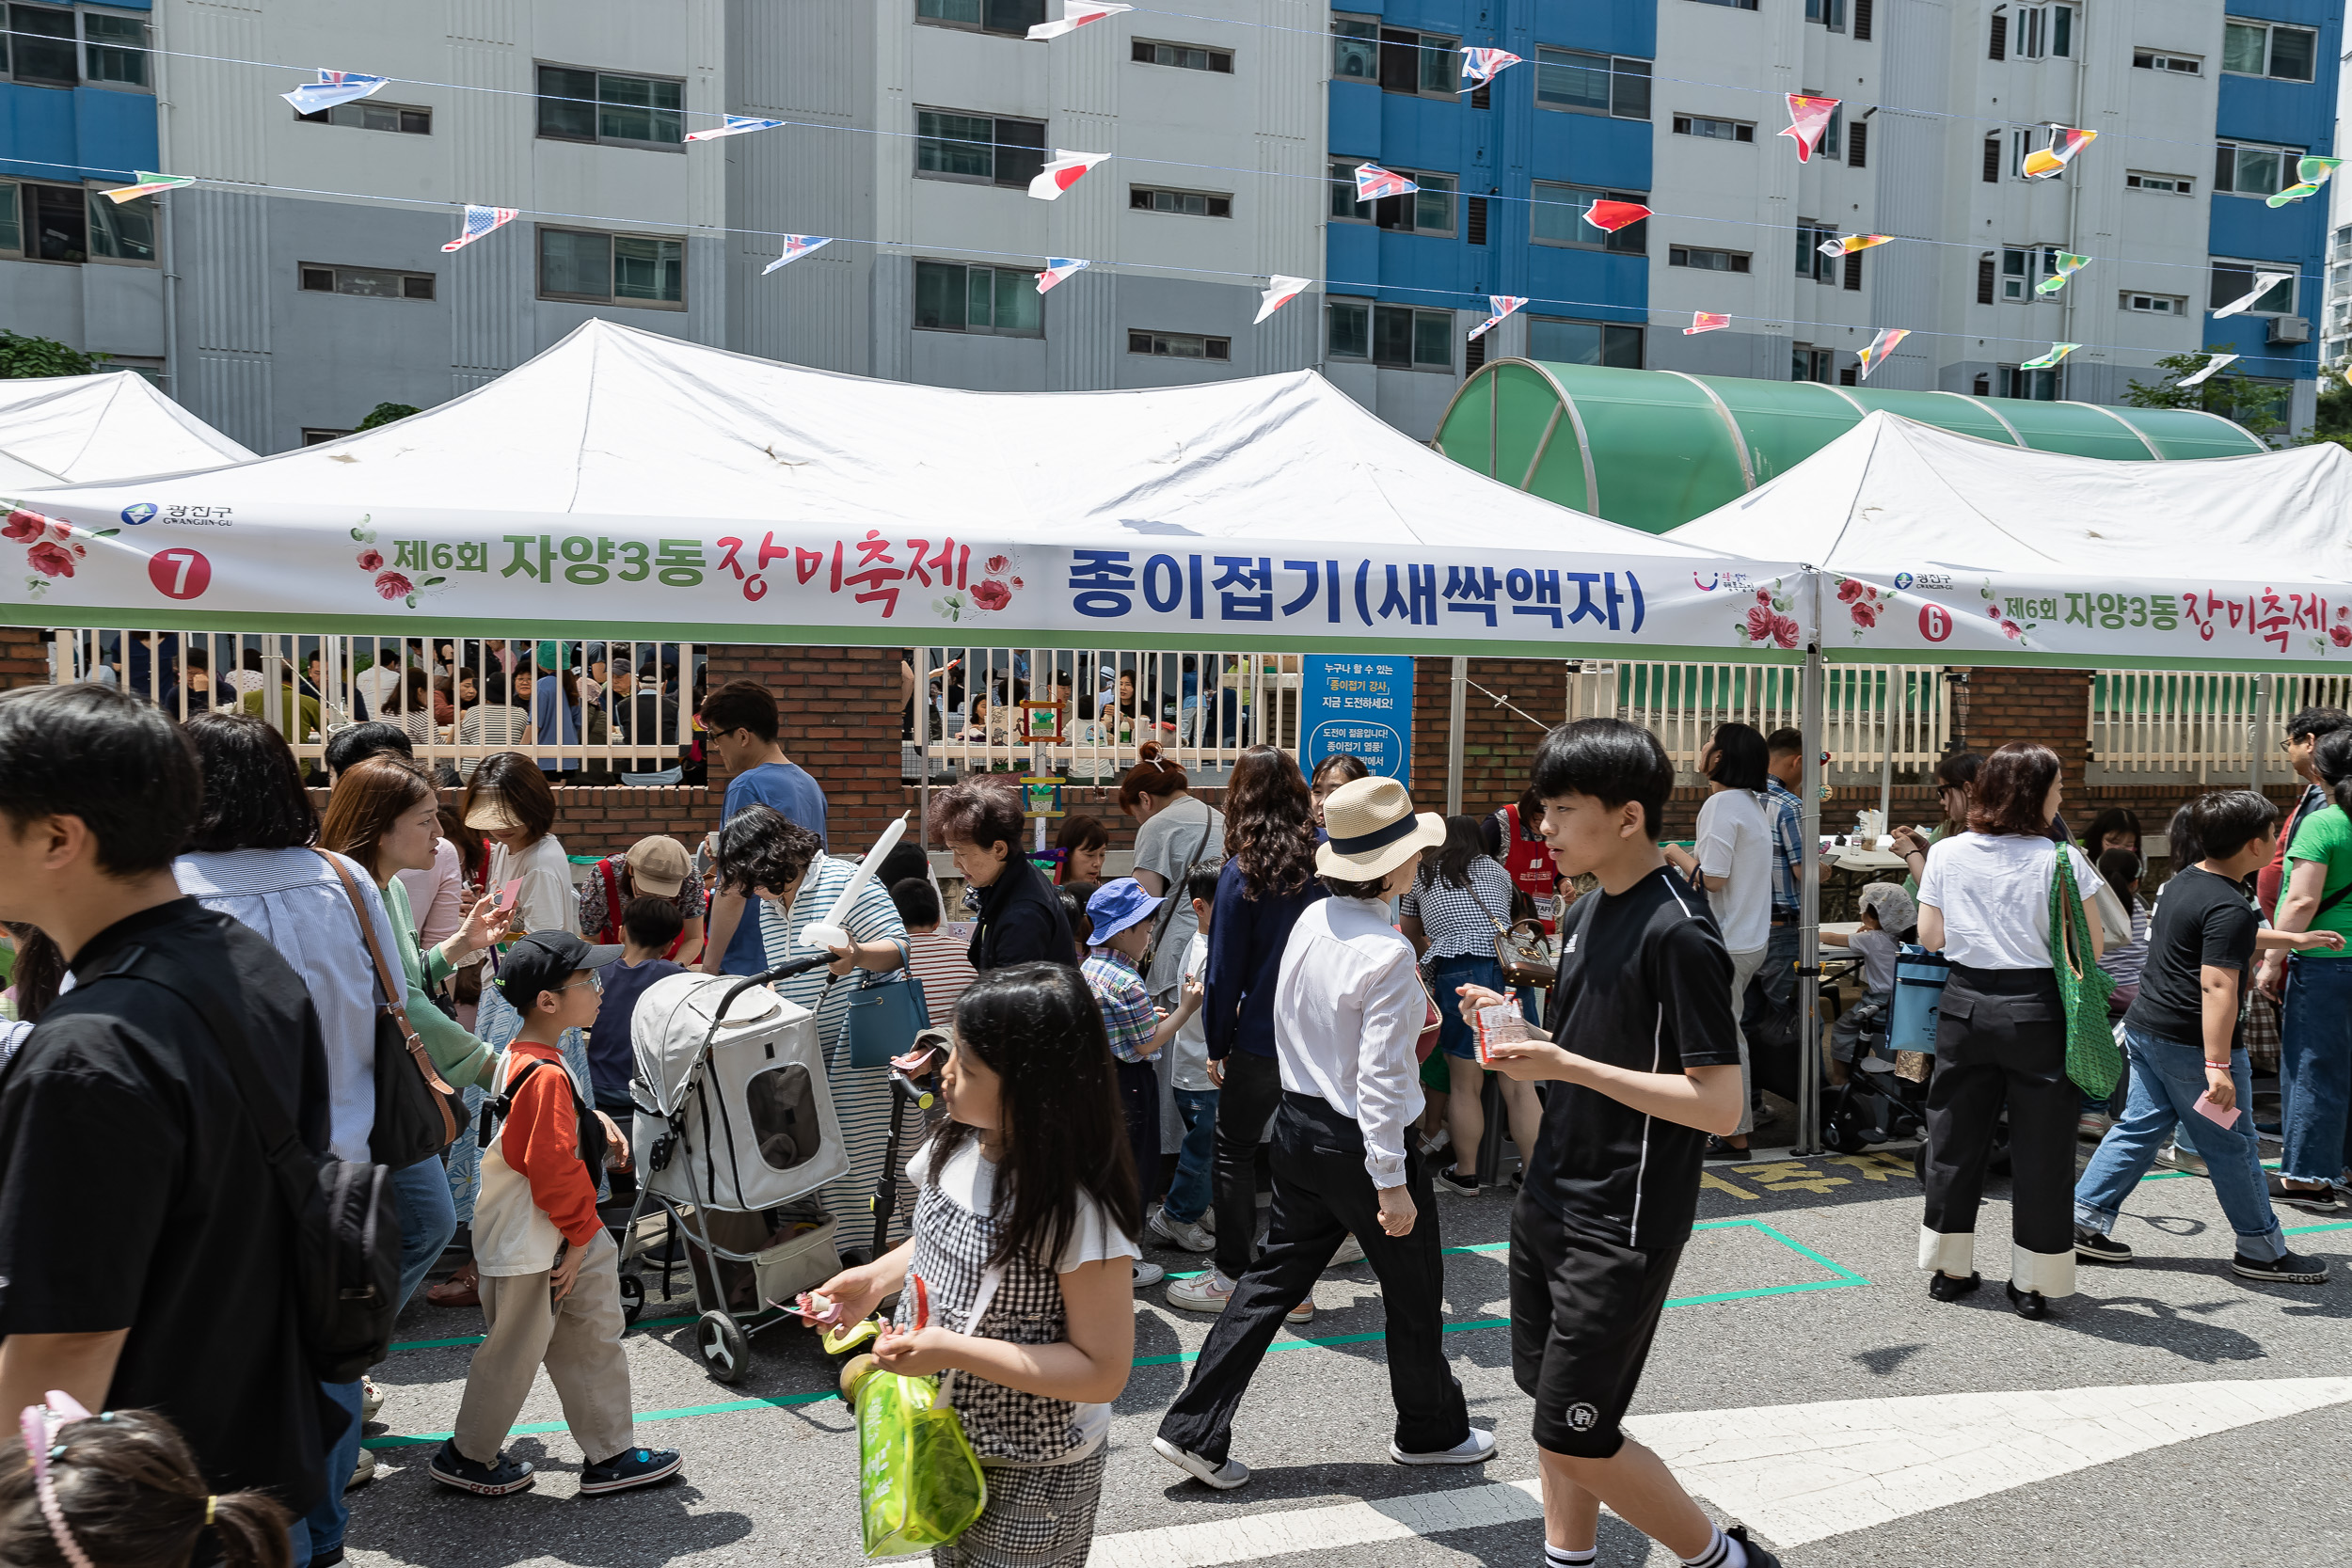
column 1877, row 718
column 2197, row 727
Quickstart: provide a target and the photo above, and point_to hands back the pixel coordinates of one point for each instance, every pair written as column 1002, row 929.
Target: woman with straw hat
column 1348, row 1007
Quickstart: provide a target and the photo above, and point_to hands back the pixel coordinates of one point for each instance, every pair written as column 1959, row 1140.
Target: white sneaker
column 363, row 1472
column 1476, row 1448
column 1202, row 1292
column 1223, row 1477
column 1178, row 1234
column 1148, row 1273
column 1208, row 1219
column 2173, row 1156
column 1302, row 1313
column 371, row 1399
column 1351, row 1251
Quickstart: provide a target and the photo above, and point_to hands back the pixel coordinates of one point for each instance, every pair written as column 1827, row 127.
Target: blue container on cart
column 1919, row 976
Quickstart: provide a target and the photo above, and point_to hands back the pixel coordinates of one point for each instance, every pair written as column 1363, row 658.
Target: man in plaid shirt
column 1122, row 915
column 1768, row 1014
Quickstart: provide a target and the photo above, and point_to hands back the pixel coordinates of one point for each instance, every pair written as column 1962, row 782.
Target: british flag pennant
column 1058, row 268
column 1066, row 170
column 1074, row 15
column 480, row 221
column 1373, row 183
column 1503, row 305
column 735, row 125
column 1481, row 66
column 2064, row 143
column 1808, row 120
column 1283, row 290
column 1881, row 347
column 332, row 87
column 1707, row 320
column 795, row 246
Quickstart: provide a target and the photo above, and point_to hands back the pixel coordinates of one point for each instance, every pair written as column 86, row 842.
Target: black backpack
column 346, row 1221
column 589, row 1129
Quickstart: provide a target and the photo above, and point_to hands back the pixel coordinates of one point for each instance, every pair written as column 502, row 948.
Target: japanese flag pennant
column 1066, row 170
column 2058, row 352
column 1058, row 268
column 2064, row 143
column 2264, row 283
column 480, row 221
column 1881, row 347
column 1480, row 66
column 332, row 87
column 1503, row 305
column 2067, row 267
column 1282, row 292
column 1613, row 216
column 2309, row 173
column 795, row 246
column 1707, row 320
column 1808, row 117
column 1074, row 15
column 148, row 185
column 2213, row 363
column 735, row 125
column 1372, row 181
column 1846, row 245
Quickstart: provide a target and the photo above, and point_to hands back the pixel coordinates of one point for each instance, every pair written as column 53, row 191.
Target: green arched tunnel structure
column 1654, row 449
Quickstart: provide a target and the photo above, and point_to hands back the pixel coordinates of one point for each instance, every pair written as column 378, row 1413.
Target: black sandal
column 1943, row 1287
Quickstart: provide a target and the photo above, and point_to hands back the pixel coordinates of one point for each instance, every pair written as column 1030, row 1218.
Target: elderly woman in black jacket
column 1021, row 921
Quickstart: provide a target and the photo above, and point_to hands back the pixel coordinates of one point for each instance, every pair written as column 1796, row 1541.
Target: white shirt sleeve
column 1093, row 1237
column 1386, row 1075
column 1717, row 831
column 1931, row 873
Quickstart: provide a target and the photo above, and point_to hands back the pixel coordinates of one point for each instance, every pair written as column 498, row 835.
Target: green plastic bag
column 2092, row 1060
column 919, row 1483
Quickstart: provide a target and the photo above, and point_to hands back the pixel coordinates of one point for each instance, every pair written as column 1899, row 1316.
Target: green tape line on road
column 2307, row 1229
column 771, row 1401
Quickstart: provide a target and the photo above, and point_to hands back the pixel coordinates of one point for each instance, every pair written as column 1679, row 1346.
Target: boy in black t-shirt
column 2186, row 1050
column 1648, row 1066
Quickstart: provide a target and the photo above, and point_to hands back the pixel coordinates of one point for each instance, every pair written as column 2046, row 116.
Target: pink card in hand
column 2206, row 1108
column 507, row 896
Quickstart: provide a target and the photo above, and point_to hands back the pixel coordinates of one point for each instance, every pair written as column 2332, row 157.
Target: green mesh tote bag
column 2092, row 1060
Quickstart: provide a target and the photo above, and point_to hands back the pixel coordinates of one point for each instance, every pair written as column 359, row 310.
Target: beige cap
column 1374, row 830
column 491, row 814
column 656, row 865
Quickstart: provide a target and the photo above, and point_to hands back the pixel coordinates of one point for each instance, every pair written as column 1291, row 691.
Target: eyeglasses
column 594, row 982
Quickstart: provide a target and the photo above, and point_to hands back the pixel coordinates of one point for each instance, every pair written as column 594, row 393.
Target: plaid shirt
column 1128, row 1017
column 1786, row 811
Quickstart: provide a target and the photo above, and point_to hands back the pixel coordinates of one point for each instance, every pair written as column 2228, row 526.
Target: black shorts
column 1582, row 1315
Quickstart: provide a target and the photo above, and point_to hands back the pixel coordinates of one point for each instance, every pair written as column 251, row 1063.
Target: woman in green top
column 2315, row 1029
column 385, row 815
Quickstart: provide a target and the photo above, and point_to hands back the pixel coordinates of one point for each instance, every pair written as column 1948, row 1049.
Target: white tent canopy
column 76, row 429
column 1943, row 546
column 625, row 480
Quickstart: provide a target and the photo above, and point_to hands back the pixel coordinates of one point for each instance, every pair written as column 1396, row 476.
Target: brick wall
column 840, row 713
column 24, row 657
column 1498, row 745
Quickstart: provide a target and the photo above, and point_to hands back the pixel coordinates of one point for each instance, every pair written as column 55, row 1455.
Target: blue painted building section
column 1498, row 152
column 74, row 134
column 2284, row 113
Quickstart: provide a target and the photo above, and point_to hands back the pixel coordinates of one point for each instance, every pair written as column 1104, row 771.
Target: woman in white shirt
column 2000, row 1033
column 1347, row 1009
column 1734, row 863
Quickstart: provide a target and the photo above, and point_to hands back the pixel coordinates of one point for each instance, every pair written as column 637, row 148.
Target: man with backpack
column 147, row 1256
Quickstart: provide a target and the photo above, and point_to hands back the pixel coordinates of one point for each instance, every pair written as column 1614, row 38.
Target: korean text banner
column 2065, row 619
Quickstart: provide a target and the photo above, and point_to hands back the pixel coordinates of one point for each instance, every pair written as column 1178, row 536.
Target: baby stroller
column 1876, row 1105
column 735, row 1133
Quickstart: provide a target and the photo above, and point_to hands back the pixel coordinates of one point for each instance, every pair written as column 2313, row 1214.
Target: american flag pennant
column 480, row 221
column 1282, row 292
column 1058, row 268
column 1846, row 245
column 1881, row 347
column 1503, row 305
column 2042, row 362
column 1066, row 170
column 1613, row 216
column 1074, row 15
column 1372, row 181
column 149, row 183
column 2213, row 363
column 332, row 87
column 2309, row 173
column 734, row 125
column 2064, row 143
column 2264, row 283
column 1808, row 119
column 1707, row 320
column 1480, row 66
column 795, row 246
column 2068, row 265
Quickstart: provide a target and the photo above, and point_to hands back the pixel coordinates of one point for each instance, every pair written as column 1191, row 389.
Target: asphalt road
column 1802, row 1377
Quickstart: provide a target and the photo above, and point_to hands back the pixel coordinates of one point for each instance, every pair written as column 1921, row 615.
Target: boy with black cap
column 550, row 1277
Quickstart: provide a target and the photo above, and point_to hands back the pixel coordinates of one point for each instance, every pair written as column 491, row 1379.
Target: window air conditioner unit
column 2290, row 330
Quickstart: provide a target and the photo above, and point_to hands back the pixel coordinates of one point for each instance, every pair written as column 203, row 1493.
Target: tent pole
column 2262, row 734
column 1455, row 698
column 1810, row 896
column 923, row 743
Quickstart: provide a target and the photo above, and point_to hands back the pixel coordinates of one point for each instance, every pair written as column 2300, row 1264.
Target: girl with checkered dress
column 1026, row 1222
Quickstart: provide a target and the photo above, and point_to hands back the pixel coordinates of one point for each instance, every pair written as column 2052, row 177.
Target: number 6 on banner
column 180, row 574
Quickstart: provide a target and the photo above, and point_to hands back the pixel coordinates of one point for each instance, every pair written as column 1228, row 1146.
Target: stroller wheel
column 1844, row 1138
column 727, row 1355
column 632, row 1295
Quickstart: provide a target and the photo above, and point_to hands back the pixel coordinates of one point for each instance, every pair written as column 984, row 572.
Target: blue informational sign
column 1361, row 705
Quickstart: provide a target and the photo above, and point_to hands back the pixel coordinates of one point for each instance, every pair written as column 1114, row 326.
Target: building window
column 73, row 224
column 367, row 282
column 1830, row 13
column 2043, row 32
column 1180, row 345
column 1184, row 56
column 2244, row 170
column 11, row 220
column 2039, row 386
column 1355, row 48
column 1832, row 135
column 1591, row 84
column 1807, row 364
column 1012, row 17
column 977, row 148
column 1720, row 130
column 368, row 114
column 2263, row 49
column 612, row 269
column 1415, row 62
column 2163, row 305
column 603, row 106
column 2185, row 65
column 1707, row 260
column 1811, row 234
column 114, row 49
column 998, row 301
column 2023, row 266
column 312, row 436
column 1395, row 336
column 40, row 50
column 2233, row 279
column 1575, row 342
column 1735, row 5
column 1556, row 216
column 2167, row 184
column 1198, row 204
column 1426, row 211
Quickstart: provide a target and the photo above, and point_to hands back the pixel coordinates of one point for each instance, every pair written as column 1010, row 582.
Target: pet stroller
column 1877, row 1103
column 735, row 1133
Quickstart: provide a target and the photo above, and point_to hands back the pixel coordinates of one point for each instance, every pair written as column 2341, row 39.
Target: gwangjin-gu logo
column 139, row 511
column 1903, row 581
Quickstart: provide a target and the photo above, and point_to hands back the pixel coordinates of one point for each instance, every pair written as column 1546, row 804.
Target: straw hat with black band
column 1373, row 831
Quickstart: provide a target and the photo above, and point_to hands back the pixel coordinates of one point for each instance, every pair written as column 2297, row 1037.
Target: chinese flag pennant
column 1066, row 170
column 1503, row 305
column 2064, row 143
column 1846, row 245
column 1707, row 320
column 332, row 87
column 1058, row 268
column 1074, row 15
column 1881, row 347
column 480, row 221
column 795, row 246
column 2213, row 363
column 2309, row 173
column 1480, row 66
column 1373, row 183
column 2264, row 283
column 2058, row 352
column 1283, row 290
column 734, row 125
column 149, row 183
column 2068, row 266
column 1808, row 117
column 1613, row 216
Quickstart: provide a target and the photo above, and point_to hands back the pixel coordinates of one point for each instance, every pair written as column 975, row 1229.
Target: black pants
column 1139, row 1101
column 2000, row 1039
column 1322, row 1193
column 1251, row 1090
